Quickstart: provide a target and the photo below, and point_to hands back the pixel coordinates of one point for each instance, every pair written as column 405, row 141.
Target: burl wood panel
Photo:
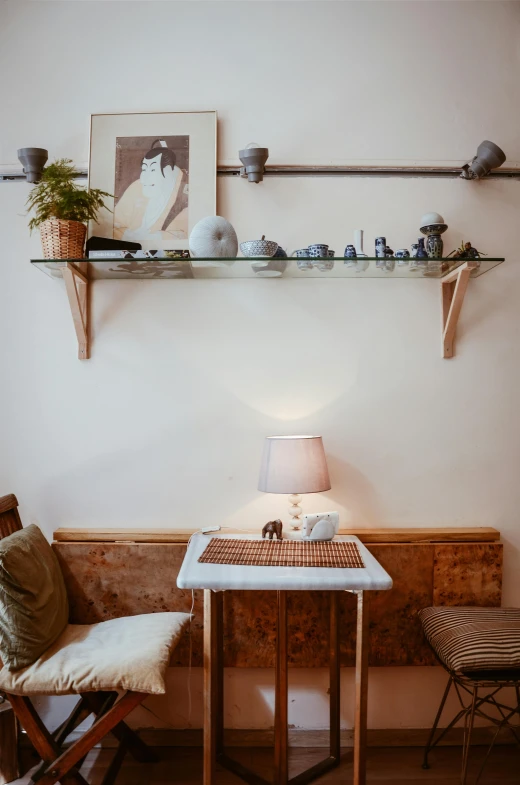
column 467, row 574
column 109, row 580
column 106, row 580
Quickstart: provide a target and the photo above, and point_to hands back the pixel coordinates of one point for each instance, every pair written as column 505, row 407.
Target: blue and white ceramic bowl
column 318, row 250
column 264, row 248
column 403, row 256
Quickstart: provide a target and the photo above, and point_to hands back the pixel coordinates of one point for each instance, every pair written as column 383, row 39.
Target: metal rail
column 324, row 171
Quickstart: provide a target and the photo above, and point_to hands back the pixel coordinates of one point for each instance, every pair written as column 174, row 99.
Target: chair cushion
column 34, row 609
column 474, row 639
column 131, row 653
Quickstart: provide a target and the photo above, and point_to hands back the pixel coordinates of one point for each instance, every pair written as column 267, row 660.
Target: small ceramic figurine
column 273, row 527
column 466, row 251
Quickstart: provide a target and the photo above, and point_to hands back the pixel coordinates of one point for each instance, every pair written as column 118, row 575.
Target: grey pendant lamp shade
column 294, row 464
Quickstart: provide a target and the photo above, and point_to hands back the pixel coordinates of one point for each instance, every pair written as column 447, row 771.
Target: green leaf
column 58, row 195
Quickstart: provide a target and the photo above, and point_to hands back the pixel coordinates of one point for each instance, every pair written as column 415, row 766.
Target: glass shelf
column 166, row 268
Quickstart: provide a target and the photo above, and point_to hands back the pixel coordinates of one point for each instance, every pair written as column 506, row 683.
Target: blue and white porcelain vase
column 434, row 246
column 421, row 250
column 380, row 247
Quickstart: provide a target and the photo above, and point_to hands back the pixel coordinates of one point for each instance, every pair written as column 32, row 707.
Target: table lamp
column 294, row 465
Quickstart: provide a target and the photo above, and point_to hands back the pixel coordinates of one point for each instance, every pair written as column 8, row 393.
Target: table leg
column 360, row 721
column 334, row 669
column 213, row 683
column 281, row 733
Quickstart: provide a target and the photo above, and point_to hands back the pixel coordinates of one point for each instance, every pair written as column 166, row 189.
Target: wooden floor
column 386, row 765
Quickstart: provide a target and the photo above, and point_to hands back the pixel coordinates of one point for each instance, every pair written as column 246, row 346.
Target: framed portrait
column 162, row 171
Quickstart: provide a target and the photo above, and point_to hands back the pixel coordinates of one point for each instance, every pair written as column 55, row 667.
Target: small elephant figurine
column 273, row 527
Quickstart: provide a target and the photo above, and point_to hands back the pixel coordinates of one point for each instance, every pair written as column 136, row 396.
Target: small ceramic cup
column 324, row 265
column 303, row 262
column 330, row 253
column 318, row 250
column 402, row 255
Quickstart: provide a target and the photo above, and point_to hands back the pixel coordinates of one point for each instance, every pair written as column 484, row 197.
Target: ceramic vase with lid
column 434, row 246
column 432, row 225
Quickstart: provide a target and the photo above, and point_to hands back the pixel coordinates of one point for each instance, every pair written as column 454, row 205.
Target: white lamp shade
column 294, row 464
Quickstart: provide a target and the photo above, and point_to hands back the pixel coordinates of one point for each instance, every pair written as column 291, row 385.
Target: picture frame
column 161, row 169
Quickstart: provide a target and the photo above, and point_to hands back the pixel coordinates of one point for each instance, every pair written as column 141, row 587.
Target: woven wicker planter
column 62, row 239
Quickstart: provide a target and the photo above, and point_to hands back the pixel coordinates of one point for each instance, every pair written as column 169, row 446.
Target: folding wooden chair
column 60, row 763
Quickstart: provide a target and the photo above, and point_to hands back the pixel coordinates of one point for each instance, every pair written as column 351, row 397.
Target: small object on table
column 350, row 256
column 107, row 244
column 358, row 242
column 213, row 237
column 280, row 253
column 318, row 250
column 304, row 262
column 465, row 251
column 432, row 225
column 271, row 528
column 383, row 262
column 294, row 465
column 263, row 248
column 380, row 247
column 321, row 526
column 324, row 265
column 403, row 256
column 419, row 261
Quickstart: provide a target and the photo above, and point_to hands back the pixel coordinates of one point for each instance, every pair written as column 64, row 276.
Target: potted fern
column 62, row 209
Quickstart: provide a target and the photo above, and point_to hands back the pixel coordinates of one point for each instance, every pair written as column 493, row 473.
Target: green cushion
column 34, row 609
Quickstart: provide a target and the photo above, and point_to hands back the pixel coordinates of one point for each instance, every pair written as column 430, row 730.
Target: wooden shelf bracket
column 453, row 290
column 78, row 292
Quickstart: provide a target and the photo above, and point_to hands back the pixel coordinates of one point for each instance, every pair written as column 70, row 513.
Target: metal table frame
column 214, row 695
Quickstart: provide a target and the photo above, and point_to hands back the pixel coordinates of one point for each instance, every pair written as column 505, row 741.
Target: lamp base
column 295, row 511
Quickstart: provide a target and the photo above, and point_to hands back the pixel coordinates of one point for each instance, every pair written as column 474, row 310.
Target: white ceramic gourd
column 213, row 237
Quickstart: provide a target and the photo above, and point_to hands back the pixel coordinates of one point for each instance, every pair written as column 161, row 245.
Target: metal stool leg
column 429, row 743
column 468, row 730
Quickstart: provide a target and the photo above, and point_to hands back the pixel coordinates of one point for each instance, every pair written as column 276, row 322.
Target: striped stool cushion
column 474, row 639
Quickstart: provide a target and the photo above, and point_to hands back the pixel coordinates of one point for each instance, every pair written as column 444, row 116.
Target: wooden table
column 217, row 578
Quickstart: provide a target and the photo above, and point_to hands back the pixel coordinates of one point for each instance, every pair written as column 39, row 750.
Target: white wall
column 164, row 425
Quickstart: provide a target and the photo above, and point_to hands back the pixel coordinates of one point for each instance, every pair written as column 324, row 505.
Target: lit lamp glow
column 294, row 465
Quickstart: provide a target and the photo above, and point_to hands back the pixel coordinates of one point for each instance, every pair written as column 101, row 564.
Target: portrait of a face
column 151, row 191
